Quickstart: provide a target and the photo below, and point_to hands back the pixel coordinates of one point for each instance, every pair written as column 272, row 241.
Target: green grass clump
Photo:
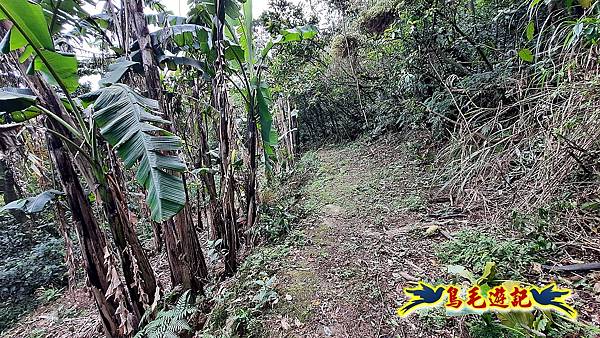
column 473, row 249
column 481, row 329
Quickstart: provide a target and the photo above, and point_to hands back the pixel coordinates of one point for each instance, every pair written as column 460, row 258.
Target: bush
column 26, row 268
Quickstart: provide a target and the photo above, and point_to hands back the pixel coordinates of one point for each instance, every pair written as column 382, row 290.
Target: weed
column 213, row 254
column 68, row 312
column 412, row 203
column 535, row 226
column 266, row 293
column 275, row 221
column 473, row 249
column 569, row 329
column 514, row 324
column 47, row 295
column 170, row 323
column 483, row 329
column 239, row 308
column 308, row 163
column 434, row 318
column 37, row 333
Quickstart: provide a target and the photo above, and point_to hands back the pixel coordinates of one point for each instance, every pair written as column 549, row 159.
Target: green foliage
column 170, row 323
column 398, row 64
column 37, row 333
column 58, row 69
column 268, row 134
column 30, row 25
column 48, row 295
column 413, row 203
column 514, row 323
column 30, row 29
column 17, row 105
column 473, row 249
column 530, row 30
column 116, row 71
column 300, row 33
column 33, row 205
column 376, row 19
column 128, row 122
column 282, row 14
column 240, row 308
column 16, row 99
column 266, row 293
column 29, row 261
column 526, row 55
column 482, row 329
column 276, row 221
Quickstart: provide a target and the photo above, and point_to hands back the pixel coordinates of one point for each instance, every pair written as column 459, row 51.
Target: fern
column 170, row 323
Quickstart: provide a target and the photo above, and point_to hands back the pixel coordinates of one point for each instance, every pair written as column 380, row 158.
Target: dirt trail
column 372, row 229
column 365, row 243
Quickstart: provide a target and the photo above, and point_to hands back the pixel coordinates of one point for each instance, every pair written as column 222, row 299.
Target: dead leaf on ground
column 432, row 229
column 284, row 324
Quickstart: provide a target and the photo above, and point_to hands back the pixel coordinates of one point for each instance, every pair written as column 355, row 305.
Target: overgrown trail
column 366, row 240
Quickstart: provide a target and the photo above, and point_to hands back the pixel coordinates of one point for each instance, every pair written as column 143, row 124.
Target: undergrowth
column 170, row 323
column 473, row 249
column 241, row 306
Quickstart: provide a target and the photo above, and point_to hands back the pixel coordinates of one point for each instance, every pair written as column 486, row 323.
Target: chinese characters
column 509, row 296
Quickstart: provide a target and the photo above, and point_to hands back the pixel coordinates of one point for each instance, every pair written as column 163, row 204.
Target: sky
column 179, row 7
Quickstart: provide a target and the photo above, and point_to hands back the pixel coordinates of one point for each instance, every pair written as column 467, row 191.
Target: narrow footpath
column 372, row 233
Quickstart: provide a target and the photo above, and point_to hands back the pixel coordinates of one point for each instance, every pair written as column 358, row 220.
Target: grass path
column 365, row 242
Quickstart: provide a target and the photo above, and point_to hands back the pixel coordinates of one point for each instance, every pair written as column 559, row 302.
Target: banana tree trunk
column 9, row 190
column 216, row 224
column 221, row 104
column 138, row 273
column 91, row 237
column 251, row 179
column 186, row 259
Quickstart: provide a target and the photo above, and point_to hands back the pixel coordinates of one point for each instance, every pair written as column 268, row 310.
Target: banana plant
column 258, row 93
column 126, row 119
column 32, row 205
column 245, row 69
column 258, row 97
column 246, row 63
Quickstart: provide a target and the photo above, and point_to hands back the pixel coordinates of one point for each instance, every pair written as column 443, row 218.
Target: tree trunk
column 221, row 104
column 137, row 270
column 251, row 181
column 91, row 237
column 208, row 177
column 65, row 229
column 186, row 260
column 9, row 190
